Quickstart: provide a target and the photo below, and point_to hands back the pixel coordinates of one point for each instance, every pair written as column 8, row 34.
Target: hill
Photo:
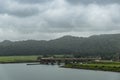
column 96, row 45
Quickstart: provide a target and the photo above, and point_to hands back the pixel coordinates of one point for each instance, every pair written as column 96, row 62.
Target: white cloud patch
column 48, row 19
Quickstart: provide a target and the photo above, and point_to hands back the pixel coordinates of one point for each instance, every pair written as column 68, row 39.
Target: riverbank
column 17, row 59
column 114, row 67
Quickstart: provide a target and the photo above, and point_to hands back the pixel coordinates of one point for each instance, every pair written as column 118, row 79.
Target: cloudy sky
column 49, row 19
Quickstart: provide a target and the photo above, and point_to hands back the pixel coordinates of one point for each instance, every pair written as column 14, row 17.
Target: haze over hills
column 96, row 45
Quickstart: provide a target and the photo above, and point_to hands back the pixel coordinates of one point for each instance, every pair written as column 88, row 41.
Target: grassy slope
column 10, row 59
column 113, row 66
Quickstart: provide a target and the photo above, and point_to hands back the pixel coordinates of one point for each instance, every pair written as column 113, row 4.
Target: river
column 51, row 72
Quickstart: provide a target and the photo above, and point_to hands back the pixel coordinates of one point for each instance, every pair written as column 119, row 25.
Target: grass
column 113, row 66
column 105, row 66
column 15, row 59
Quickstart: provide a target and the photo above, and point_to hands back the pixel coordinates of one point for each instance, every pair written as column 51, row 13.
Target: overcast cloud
column 49, row 19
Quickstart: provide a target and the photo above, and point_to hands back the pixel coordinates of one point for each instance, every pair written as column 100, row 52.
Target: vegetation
column 105, row 46
column 111, row 66
column 17, row 59
column 101, row 65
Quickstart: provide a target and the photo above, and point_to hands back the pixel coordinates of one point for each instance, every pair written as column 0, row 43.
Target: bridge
column 65, row 60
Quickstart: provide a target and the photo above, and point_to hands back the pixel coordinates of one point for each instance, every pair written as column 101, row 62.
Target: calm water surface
column 48, row 72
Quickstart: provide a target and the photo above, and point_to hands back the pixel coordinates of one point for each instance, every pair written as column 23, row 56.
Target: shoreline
column 96, row 67
column 89, row 67
column 18, row 62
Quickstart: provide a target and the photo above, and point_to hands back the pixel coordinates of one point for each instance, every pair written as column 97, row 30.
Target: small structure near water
column 64, row 60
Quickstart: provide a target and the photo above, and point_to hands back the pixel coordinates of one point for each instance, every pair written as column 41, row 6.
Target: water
column 49, row 72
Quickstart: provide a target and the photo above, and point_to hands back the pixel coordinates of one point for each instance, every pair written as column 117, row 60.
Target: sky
column 50, row 19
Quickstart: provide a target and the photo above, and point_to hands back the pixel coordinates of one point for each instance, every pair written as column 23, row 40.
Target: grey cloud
column 18, row 10
column 3, row 6
column 24, row 12
column 33, row 1
column 93, row 1
column 32, row 19
column 21, row 13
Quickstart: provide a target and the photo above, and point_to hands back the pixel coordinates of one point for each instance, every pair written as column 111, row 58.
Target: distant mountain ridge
column 96, row 45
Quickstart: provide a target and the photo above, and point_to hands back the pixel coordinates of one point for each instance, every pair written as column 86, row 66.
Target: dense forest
column 97, row 45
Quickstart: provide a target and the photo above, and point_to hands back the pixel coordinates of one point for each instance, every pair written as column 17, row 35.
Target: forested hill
column 97, row 45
